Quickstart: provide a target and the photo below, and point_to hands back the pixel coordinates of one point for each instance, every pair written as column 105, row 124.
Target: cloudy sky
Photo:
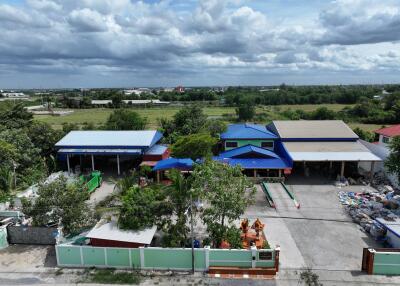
column 111, row 43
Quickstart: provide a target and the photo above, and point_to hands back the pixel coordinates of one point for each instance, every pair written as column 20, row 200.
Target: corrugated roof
column 255, row 163
column 390, row 131
column 246, row 150
column 119, row 139
column 156, row 150
column 97, row 151
column 247, row 131
column 313, row 129
column 111, row 231
column 329, row 151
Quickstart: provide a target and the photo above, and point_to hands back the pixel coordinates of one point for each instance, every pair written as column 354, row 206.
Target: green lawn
column 99, row 115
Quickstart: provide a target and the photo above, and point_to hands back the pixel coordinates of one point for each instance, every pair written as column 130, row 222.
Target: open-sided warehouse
column 322, row 141
column 110, row 144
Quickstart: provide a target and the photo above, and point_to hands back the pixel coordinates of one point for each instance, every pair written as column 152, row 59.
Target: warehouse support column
column 255, row 173
column 342, row 169
column 158, row 176
column 371, row 174
column 92, row 163
column 69, row 167
column 280, row 173
column 119, row 171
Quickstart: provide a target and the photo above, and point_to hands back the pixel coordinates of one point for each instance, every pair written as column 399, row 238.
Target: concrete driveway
column 320, row 235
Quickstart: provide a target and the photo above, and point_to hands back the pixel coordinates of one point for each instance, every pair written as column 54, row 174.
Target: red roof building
column 391, row 131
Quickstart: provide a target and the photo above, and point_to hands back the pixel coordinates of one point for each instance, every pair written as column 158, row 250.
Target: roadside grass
column 111, row 276
column 98, row 116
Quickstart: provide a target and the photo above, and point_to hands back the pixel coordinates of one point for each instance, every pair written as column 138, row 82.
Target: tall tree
column 125, row 119
column 245, row 110
column 193, row 146
column 60, row 202
column 15, row 117
column 228, row 193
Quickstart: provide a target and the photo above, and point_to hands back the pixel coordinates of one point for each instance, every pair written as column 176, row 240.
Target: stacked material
column 364, row 207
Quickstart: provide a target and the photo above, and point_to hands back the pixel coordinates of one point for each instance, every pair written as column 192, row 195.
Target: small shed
column 110, row 235
column 392, row 231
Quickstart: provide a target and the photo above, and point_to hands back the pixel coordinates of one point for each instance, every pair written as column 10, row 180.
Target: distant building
column 180, row 89
column 137, row 91
column 14, row 94
column 387, row 134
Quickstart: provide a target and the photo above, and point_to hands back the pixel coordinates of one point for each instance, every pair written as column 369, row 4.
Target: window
column 385, row 139
column 231, row 144
column 267, row 144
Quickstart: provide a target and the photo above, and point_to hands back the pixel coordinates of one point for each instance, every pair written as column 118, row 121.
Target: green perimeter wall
column 157, row 258
column 387, row 263
column 247, row 142
column 3, row 237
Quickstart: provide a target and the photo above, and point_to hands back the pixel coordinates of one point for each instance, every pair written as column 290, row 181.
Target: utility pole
column 191, row 230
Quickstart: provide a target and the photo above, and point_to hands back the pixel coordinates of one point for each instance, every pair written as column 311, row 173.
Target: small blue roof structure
column 247, row 131
column 252, row 157
column 247, row 151
column 174, row 163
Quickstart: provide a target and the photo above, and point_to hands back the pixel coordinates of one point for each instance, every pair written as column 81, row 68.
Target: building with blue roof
column 257, row 150
column 108, row 144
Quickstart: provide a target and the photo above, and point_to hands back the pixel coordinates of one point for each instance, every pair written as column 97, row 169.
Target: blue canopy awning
column 173, row 163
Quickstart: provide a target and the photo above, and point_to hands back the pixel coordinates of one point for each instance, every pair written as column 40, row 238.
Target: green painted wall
column 387, row 263
column 157, row 258
column 247, row 142
column 118, row 257
column 3, row 237
column 93, row 256
column 69, row 255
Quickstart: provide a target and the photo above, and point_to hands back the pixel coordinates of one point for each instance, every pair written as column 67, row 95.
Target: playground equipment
column 254, row 235
column 92, row 182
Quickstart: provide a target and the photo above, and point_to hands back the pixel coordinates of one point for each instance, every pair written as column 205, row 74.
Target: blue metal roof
column 110, row 139
column 247, row 131
column 156, row 150
column 174, row 163
column 248, row 149
column 100, row 151
column 255, row 163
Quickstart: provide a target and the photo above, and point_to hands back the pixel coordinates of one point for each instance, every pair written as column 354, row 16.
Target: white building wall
column 382, row 152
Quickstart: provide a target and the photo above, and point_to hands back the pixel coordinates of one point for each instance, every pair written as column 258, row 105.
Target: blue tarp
column 255, row 163
column 173, row 163
column 247, row 131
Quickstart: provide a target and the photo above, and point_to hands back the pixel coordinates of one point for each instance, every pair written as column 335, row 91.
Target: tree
column 15, row 117
column 392, row 162
column 117, row 99
column 228, row 193
column 193, row 146
column 245, row 110
column 179, row 199
column 61, row 202
column 215, row 127
column 323, row 113
column 44, row 137
column 364, row 135
column 142, row 208
column 189, row 120
column 125, row 119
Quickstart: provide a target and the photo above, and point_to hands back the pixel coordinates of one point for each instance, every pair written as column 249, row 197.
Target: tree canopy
column 61, row 202
column 125, row 119
column 194, row 146
column 392, row 162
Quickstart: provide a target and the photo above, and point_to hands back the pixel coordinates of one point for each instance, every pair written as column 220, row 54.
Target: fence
column 384, row 261
column 32, row 235
column 3, row 237
column 155, row 258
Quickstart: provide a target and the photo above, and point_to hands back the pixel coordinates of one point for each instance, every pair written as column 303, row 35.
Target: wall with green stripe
column 387, row 263
column 247, row 142
column 159, row 258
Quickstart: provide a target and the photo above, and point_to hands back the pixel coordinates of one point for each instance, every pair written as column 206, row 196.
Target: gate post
column 277, row 251
column 207, row 256
column 253, row 256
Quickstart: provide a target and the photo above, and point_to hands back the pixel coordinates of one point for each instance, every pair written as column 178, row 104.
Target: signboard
column 265, row 256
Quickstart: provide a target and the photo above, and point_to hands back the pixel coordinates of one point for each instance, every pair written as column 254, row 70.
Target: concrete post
column 255, row 173
column 371, row 175
column 280, row 173
column 254, row 256
column 68, row 165
column 141, row 254
column 342, row 169
column 119, row 172
column 277, row 251
column 207, row 256
column 158, row 176
column 92, row 163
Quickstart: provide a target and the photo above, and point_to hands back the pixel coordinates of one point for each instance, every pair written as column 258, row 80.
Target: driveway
column 320, row 235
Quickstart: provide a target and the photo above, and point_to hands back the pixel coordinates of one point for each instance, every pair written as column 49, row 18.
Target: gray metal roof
column 95, row 139
column 312, row 129
column 111, row 231
column 329, row 151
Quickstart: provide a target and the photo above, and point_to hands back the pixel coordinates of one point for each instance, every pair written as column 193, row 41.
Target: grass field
column 99, row 115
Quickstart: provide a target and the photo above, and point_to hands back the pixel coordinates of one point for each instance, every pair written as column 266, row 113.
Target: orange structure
column 254, row 236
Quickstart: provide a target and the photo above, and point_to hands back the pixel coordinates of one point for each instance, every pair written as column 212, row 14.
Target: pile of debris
column 364, row 207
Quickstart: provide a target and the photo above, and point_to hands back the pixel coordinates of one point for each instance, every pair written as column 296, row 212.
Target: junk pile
column 366, row 206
